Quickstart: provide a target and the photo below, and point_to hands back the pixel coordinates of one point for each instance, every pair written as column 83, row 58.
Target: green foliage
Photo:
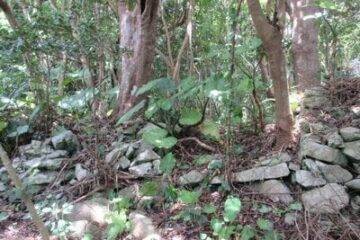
column 150, row 188
column 247, row 233
column 119, row 223
column 232, row 208
column 189, row 117
column 158, row 138
column 188, row 197
column 264, row 224
column 210, row 129
column 168, row 163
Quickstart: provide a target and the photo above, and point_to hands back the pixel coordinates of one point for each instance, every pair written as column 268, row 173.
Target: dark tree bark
column 271, row 34
column 305, row 44
column 137, row 42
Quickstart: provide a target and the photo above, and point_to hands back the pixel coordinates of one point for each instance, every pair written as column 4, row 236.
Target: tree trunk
column 271, row 34
column 305, row 44
column 137, row 42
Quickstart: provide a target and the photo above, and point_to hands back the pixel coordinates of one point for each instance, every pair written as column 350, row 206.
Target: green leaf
column 157, row 137
column 209, row 209
column 216, row 226
column 188, row 197
column 3, row 125
column 232, row 208
column 166, row 143
column 189, row 117
column 149, row 189
column 129, row 114
column 117, row 226
column 168, row 163
column 210, row 129
column 247, row 233
column 264, row 224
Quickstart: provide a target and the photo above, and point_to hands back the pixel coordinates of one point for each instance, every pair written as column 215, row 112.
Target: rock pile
column 38, row 163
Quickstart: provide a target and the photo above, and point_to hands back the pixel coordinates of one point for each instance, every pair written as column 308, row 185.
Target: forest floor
column 167, row 217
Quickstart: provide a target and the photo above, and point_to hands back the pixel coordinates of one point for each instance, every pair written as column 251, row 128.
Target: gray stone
column 123, row 163
column 355, row 204
column 35, row 149
column 312, row 166
column 142, row 227
column 262, row 173
column 217, row 180
column 65, row 140
column 130, row 192
column 50, row 164
column 322, row 153
column 308, row 179
column 146, row 156
column 334, row 140
column 156, row 167
column 355, row 110
column 352, row 150
column 93, row 210
column 334, row 173
column 116, row 153
column 2, row 187
column 350, row 134
column 41, row 178
column 276, row 190
column 80, row 172
column 354, row 184
column 275, row 159
column 141, row 170
column 192, row 177
column 328, row 199
column 79, row 228
column 319, row 128
column 315, row 102
column 294, row 166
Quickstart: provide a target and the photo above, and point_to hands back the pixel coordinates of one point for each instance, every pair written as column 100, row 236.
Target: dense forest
column 179, row 119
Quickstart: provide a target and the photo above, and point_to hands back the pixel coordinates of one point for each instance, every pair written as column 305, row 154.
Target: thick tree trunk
column 271, row 35
column 305, row 44
column 137, row 42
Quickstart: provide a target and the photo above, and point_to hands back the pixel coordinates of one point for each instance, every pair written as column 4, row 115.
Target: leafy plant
column 232, row 208
column 168, row 163
column 159, row 138
column 188, row 197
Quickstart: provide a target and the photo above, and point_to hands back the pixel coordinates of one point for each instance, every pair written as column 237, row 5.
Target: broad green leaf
column 154, row 134
column 129, row 114
column 189, row 117
column 168, row 163
column 188, row 197
column 166, row 143
column 210, row 129
column 264, row 224
column 247, row 233
column 232, row 208
column 117, row 226
column 216, row 226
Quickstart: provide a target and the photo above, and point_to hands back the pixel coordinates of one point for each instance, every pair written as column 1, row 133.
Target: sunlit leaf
column 231, row 208
column 189, row 117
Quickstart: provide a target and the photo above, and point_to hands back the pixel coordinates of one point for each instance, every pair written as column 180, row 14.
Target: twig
column 200, row 143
